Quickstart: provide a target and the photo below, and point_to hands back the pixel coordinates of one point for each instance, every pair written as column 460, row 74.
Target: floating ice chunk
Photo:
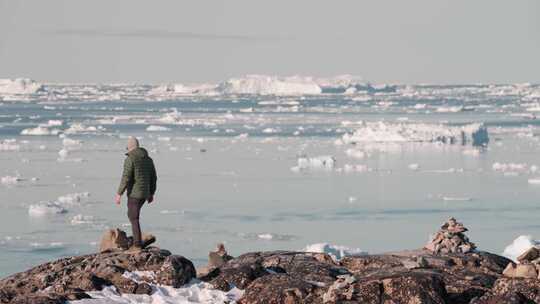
column 55, row 123
column 157, row 129
column 315, row 163
column 41, row 130
column 45, row 208
column 355, row 153
column 19, row 86
column 270, row 85
column 534, row 181
column 335, row 251
column 80, row 128
column 476, row 134
column 509, row 167
column 242, row 136
column 10, row 180
column 519, row 246
column 266, row 236
column 173, row 117
column 63, row 153
column 9, row 145
column 80, row 219
column 270, row 130
column 454, row 109
column 71, row 143
column 348, row 168
column 456, row 199
column 73, row 198
column 471, row 152
column 414, row 167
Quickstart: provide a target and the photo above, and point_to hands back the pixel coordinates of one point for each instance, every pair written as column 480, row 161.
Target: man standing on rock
column 139, row 180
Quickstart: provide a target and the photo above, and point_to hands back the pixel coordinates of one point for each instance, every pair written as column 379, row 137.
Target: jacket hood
column 138, row 153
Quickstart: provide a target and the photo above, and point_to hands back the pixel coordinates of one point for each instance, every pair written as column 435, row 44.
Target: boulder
column 70, row 277
column 530, row 255
column 114, row 239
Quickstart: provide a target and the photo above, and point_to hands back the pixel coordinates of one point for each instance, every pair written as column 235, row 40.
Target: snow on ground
column 519, row 246
column 194, row 292
column 335, row 251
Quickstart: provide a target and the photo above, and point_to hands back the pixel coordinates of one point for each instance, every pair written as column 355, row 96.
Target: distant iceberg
column 19, row 86
column 475, row 134
column 270, row 85
column 274, row 85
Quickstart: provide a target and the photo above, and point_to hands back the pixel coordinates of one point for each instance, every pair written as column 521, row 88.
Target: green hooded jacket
column 139, row 176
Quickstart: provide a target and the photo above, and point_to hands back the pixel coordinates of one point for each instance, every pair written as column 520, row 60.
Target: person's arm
column 127, row 176
column 153, row 182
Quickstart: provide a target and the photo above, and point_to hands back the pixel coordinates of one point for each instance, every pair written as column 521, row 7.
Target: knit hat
column 132, row 144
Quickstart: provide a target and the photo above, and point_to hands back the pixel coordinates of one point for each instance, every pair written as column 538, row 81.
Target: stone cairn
column 528, row 267
column 450, row 239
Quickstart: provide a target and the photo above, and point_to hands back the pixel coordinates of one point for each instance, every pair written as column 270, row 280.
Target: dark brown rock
column 69, row 277
column 530, row 288
column 277, row 289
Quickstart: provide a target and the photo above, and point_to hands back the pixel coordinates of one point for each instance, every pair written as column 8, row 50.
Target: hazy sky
column 406, row 41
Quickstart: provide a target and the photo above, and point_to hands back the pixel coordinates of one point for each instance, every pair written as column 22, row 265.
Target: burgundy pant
column 134, row 209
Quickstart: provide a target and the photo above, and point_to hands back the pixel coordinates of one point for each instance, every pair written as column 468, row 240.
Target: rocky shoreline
column 448, row 270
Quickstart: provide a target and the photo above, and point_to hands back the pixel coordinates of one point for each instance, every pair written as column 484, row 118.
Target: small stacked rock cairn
column 450, row 239
column 528, row 267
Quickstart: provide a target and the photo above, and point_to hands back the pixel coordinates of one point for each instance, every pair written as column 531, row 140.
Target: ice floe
column 73, row 198
column 45, row 208
column 10, row 180
column 40, row 130
column 154, row 128
column 9, row 145
column 337, row 252
column 314, row 163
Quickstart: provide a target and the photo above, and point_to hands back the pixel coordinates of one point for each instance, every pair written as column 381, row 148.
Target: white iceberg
column 381, row 132
column 270, row 85
column 19, row 86
column 335, row 251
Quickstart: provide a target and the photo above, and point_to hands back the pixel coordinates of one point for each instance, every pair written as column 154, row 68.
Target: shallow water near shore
column 224, row 174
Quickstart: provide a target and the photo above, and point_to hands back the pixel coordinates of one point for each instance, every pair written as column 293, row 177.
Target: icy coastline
column 321, row 273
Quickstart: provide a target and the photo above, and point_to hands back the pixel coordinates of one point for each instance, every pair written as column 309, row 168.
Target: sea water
column 265, row 169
